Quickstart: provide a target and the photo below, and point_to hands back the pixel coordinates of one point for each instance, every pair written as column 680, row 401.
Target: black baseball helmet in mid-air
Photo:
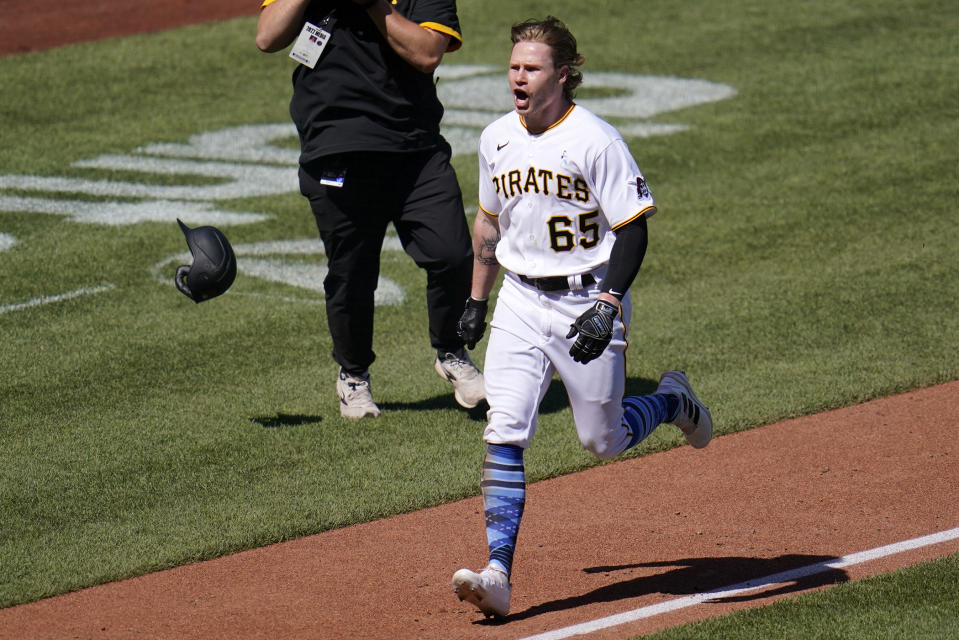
column 214, row 264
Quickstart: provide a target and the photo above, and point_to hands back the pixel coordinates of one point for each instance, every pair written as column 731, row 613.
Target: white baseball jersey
column 559, row 195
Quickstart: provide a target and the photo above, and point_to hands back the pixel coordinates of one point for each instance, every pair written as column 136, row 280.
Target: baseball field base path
column 45, row 24
column 647, row 535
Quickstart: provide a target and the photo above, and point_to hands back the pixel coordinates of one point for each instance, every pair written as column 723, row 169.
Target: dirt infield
column 45, row 24
column 618, row 538
column 612, row 539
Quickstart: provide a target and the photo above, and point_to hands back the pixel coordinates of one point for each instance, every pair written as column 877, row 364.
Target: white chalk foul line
column 749, row 585
column 36, row 302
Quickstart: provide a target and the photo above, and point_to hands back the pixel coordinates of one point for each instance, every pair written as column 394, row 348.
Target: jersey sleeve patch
column 642, row 191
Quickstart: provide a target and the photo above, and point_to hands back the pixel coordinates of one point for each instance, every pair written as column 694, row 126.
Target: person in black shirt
column 366, row 110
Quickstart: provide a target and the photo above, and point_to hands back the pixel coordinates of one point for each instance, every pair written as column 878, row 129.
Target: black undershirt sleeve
column 627, row 255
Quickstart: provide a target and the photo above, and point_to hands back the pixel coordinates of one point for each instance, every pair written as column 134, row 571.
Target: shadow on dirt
column 702, row 575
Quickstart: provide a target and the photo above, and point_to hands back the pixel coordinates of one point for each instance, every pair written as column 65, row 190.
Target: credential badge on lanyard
column 310, row 43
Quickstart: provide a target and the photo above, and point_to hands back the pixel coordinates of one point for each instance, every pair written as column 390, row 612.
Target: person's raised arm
column 422, row 48
column 279, row 23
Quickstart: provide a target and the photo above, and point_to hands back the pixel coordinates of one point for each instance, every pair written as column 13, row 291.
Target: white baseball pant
column 528, row 344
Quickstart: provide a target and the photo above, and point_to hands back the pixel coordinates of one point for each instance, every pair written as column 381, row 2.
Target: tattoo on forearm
column 487, row 250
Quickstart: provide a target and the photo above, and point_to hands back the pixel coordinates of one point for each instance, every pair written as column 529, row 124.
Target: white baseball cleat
column 694, row 419
column 356, row 400
column 469, row 387
column 488, row 590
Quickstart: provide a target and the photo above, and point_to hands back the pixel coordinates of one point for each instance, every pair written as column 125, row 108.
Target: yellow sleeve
column 456, row 40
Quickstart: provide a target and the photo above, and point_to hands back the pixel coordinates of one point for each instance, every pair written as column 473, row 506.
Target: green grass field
column 918, row 603
column 804, row 259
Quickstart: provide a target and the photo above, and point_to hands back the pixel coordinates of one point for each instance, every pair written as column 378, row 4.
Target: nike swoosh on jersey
column 500, row 146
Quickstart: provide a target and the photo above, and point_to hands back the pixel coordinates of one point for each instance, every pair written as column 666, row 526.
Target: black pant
column 420, row 195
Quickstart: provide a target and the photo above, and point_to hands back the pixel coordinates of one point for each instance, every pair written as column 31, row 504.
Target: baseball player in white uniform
column 563, row 209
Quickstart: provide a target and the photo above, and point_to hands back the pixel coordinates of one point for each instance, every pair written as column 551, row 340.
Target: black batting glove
column 472, row 323
column 595, row 329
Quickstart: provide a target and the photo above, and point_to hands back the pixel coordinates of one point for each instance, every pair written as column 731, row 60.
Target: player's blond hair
column 554, row 33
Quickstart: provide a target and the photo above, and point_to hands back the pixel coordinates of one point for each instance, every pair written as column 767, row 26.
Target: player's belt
column 559, row 283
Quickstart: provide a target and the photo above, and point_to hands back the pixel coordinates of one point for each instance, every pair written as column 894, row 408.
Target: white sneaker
column 694, row 418
column 356, row 400
column 469, row 387
column 489, row 590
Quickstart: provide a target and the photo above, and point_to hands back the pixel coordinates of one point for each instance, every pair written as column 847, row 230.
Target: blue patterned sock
column 504, row 496
column 644, row 413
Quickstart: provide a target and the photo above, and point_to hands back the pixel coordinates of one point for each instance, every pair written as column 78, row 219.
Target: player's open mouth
column 520, row 99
